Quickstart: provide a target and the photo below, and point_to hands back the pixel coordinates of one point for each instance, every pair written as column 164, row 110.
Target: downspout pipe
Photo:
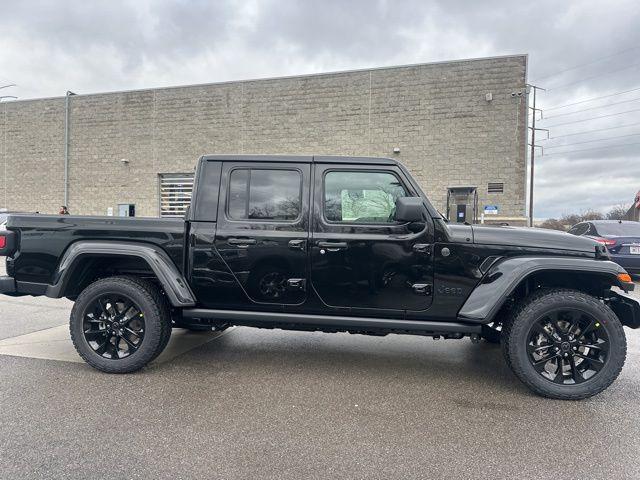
column 66, row 147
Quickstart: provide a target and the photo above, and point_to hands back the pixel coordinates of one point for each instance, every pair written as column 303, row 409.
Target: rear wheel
column 564, row 344
column 119, row 324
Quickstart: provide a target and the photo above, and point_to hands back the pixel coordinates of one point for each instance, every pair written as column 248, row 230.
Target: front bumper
column 626, row 307
column 7, row 285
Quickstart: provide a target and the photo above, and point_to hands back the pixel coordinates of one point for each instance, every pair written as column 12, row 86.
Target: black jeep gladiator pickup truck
column 336, row 244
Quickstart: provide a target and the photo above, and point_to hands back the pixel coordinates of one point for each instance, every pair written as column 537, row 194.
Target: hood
column 532, row 237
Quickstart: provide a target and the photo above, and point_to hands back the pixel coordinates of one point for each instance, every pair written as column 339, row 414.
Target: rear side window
column 206, row 203
column 579, row 229
column 361, row 196
column 264, row 194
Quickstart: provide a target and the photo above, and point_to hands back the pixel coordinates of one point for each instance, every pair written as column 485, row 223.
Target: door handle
column 242, row 242
column 422, row 248
column 333, row 246
column 297, row 244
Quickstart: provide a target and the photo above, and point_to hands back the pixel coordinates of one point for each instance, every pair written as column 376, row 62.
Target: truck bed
column 43, row 239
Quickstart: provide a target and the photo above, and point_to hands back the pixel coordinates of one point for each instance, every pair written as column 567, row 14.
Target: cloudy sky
column 578, row 50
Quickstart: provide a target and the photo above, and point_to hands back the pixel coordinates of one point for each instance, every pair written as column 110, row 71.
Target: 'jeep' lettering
column 452, row 291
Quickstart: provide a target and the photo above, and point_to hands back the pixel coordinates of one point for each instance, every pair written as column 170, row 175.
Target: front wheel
column 119, row 324
column 564, row 344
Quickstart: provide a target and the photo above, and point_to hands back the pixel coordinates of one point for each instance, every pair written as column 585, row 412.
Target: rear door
column 361, row 258
column 262, row 230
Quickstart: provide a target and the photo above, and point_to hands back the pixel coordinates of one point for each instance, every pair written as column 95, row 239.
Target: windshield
column 619, row 229
column 3, row 218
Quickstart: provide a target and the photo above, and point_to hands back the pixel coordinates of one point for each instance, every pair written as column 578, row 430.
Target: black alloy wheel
column 564, row 344
column 120, row 324
column 568, row 346
column 114, row 326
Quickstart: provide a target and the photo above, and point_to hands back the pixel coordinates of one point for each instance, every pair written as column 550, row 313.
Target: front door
column 262, row 229
column 361, row 258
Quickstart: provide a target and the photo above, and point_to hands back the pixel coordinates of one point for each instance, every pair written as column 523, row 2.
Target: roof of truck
column 303, row 159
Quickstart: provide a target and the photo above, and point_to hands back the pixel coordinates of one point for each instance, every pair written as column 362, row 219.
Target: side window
column 591, row 229
column 361, row 196
column 261, row 194
column 579, row 229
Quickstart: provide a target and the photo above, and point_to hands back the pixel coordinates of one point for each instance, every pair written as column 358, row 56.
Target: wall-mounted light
column 396, row 149
column 124, row 161
column 489, row 96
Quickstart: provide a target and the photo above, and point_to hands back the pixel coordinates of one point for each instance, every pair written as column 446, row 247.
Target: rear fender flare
column 173, row 282
column 505, row 275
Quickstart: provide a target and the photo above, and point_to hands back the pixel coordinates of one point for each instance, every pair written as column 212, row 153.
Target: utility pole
column 66, row 147
column 533, row 148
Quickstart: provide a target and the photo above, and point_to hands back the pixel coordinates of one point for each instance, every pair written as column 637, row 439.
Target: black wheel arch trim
column 506, row 274
column 173, row 282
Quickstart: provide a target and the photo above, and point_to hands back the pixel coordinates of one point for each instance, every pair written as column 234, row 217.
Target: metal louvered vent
column 495, row 187
column 175, row 194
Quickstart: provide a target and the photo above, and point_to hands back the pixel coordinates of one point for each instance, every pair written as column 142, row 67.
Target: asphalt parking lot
column 272, row 404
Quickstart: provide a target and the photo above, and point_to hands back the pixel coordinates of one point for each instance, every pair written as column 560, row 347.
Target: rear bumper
column 7, row 285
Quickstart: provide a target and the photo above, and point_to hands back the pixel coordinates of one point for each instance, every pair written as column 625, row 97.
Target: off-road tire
column 157, row 322
column 516, row 329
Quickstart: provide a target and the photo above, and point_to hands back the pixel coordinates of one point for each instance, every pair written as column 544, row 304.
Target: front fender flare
column 505, row 275
column 173, row 282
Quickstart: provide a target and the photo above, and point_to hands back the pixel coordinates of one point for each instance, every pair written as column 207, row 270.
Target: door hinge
column 421, row 288
column 297, row 284
column 422, row 248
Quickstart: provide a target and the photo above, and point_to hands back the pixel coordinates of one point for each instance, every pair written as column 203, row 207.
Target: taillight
column 605, row 241
column 3, row 241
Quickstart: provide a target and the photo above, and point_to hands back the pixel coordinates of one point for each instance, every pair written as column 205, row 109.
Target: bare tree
column 619, row 212
column 553, row 224
column 591, row 215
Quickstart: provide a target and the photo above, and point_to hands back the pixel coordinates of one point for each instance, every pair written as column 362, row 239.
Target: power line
column 588, row 63
column 592, row 141
column 592, row 99
column 595, row 148
column 593, row 118
column 608, row 72
column 590, row 131
column 593, row 108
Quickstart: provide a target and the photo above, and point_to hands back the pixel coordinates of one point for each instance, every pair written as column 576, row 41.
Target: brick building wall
column 436, row 114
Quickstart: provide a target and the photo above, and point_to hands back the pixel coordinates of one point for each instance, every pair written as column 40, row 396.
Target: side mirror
column 409, row 209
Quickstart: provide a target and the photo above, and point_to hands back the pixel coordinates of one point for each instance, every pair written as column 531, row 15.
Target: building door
column 126, row 210
column 361, row 258
column 262, row 229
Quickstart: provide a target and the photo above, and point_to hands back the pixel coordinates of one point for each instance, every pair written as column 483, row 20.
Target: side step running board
column 241, row 317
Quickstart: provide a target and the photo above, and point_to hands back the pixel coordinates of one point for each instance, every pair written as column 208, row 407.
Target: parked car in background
column 621, row 237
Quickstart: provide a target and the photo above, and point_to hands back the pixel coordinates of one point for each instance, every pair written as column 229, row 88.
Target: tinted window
column 619, row 229
column 206, row 204
column 264, row 194
column 579, row 229
column 361, row 197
